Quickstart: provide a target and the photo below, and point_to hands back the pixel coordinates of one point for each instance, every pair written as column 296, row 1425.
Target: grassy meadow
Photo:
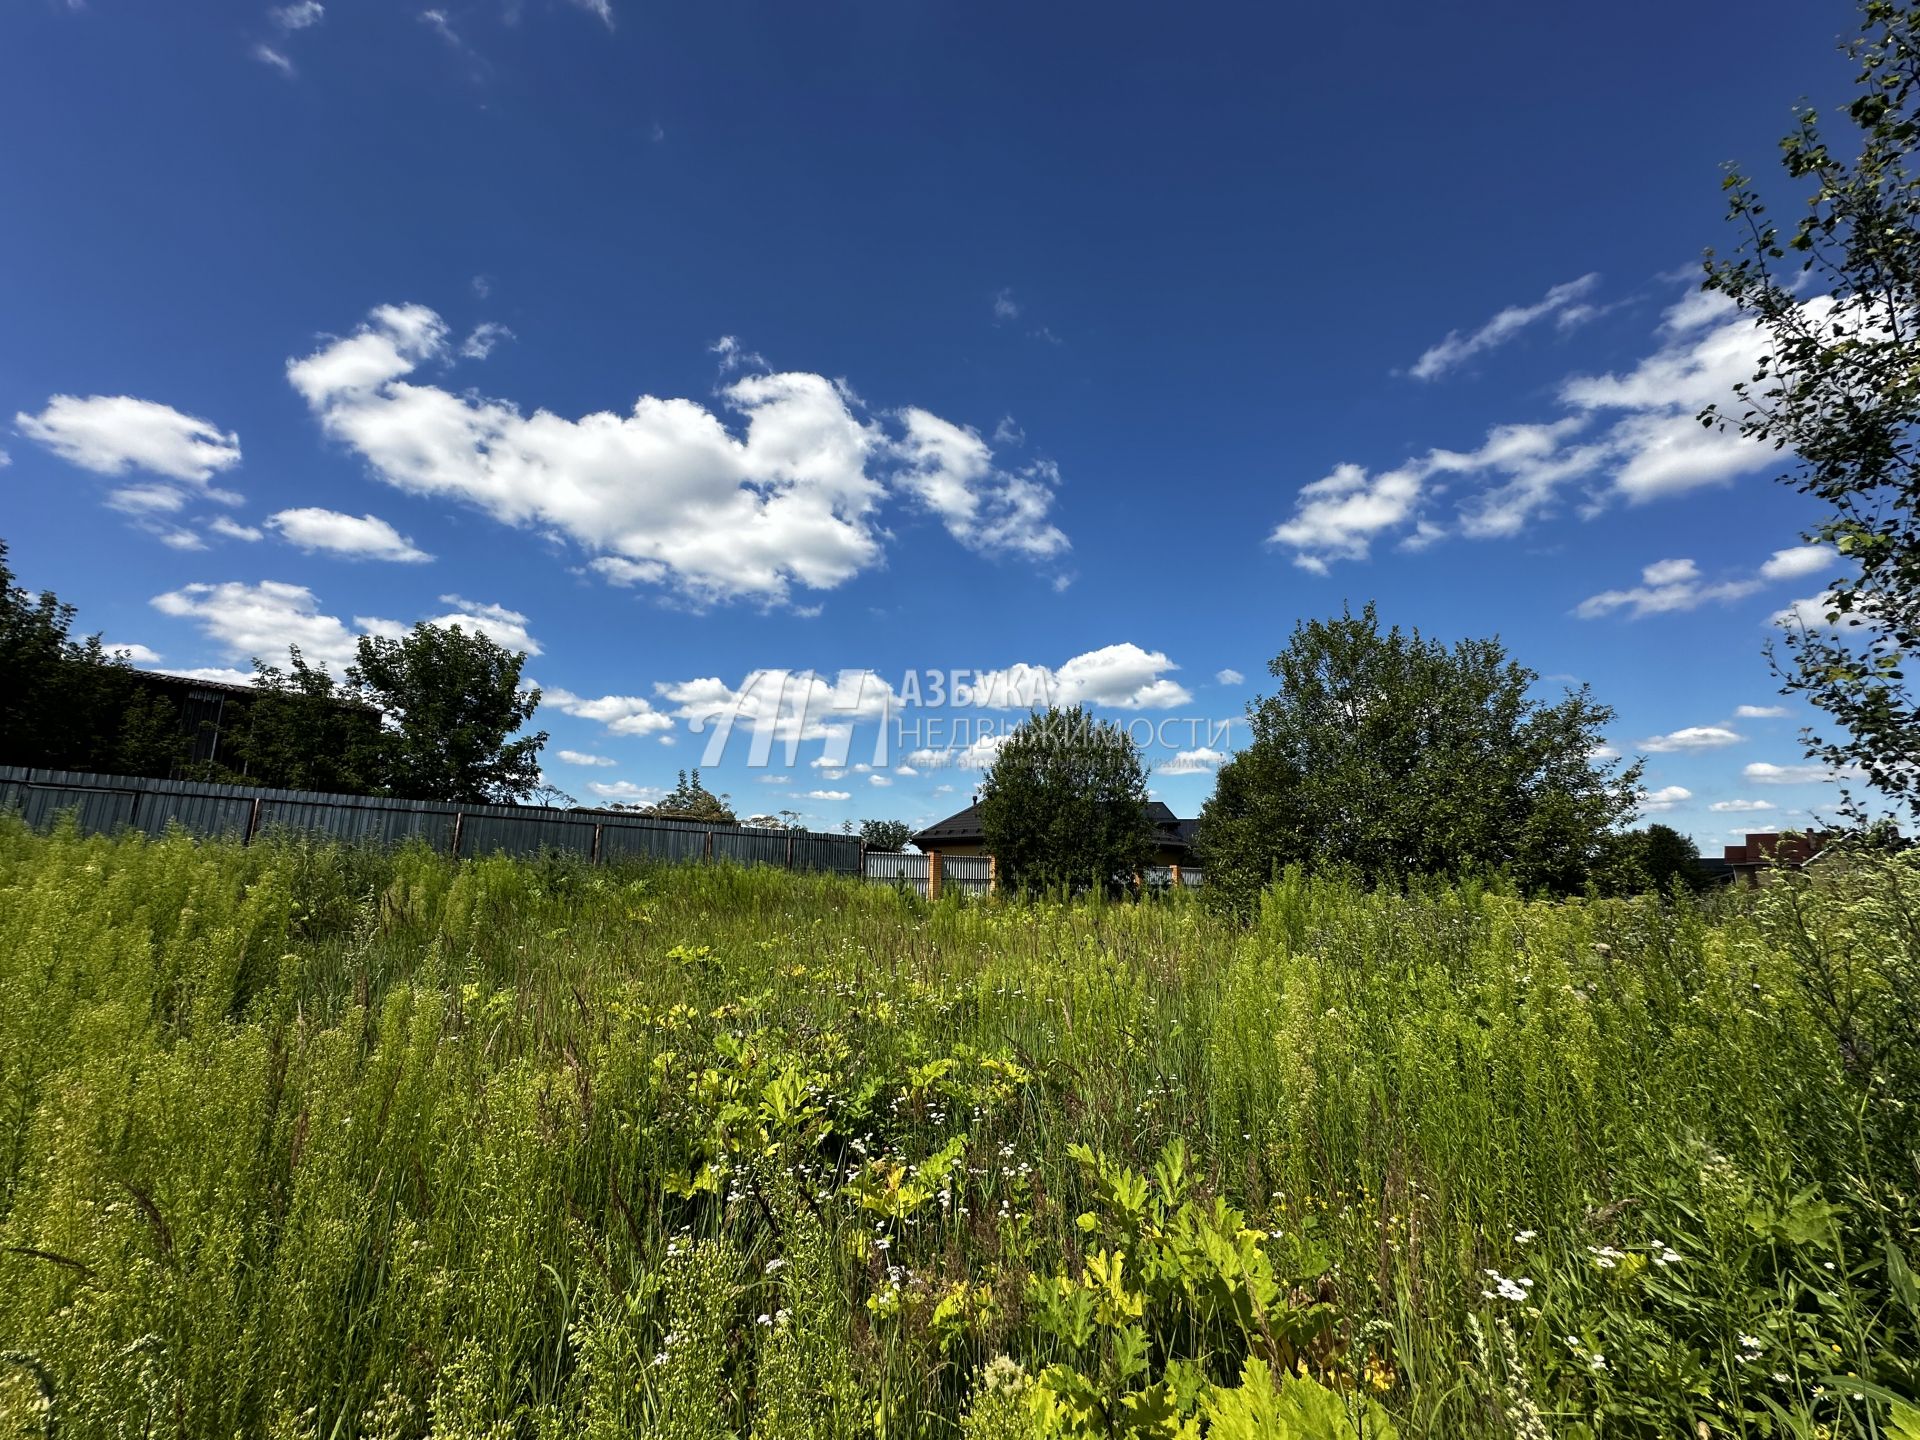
column 300, row 1141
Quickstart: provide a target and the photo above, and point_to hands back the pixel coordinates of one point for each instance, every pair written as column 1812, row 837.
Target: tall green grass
column 320, row 1142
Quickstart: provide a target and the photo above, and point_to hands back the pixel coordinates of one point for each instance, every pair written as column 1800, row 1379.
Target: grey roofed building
column 962, row 834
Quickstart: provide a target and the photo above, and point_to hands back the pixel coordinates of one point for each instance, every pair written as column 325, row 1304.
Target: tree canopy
column 1837, row 293
column 691, row 800
column 1064, row 804
column 66, row 703
column 1390, row 755
column 884, row 834
column 451, row 703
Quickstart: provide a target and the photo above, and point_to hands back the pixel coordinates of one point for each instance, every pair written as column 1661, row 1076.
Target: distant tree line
column 433, row 715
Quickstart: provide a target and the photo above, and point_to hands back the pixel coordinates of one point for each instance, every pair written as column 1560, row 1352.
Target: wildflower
column 1605, row 1256
column 1505, row 1289
column 1526, row 1237
column 775, row 1266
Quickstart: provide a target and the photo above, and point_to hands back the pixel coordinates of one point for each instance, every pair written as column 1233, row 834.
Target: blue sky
column 678, row 342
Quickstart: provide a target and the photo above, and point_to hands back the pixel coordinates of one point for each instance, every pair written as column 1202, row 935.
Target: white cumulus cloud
column 358, row 537
column 667, row 494
column 1760, row 712
column 1693, row 737
column 1740, row 807
column 581, row 757
column 112, row 434
column 1668, row 797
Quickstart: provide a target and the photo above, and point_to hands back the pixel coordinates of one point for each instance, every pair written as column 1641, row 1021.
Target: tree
column 1839, row 385
column 1657, row 858
column 305, row 731
column 67, row 703
column 690, row 800
column 884, row 834
column 450, row 699
column 1064, row 804
column 1389, row 755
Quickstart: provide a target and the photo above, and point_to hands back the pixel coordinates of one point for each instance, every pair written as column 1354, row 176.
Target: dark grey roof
column 964, row 828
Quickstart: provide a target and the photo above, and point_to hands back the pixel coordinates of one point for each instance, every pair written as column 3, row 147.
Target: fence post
column 593, row 857
column 707, row 853
column 789, row 849
column 993, row 874
column 1174, row 873
column 459, row 823
column 253, row 822
column 933, row 874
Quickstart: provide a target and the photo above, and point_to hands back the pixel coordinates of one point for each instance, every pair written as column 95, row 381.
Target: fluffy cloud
column 1762, row 773
column 359, row 537
column 625, row 792
column 1123, row 676
column 949, row 470
column 1740, row 807
column 1561, row 301
column 273, row 58
column 507, row 628
column 1670, row 585
column 112, row 434
column 481, row 340
column 581, row 757
column 132, row 654
column 667, row 494
column 1630, row 437
column 1657, row 802
column 1799, row 561
column 1229, row 677
column 621, row 714
column 824, row 795
column 233, row 529
column 878, row 780
column 1818, row 612
column 264, row 619
column 1760, row 712
column 1693, row 737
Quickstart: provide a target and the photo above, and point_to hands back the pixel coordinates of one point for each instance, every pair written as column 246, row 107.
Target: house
column 962, row 834
column 1763, row 853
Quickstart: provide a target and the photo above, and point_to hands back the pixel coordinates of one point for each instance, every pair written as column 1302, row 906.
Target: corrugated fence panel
column 106, row 803
column 751, row 847
column 97, row 812
column 385, row 824
column 204, row 815
column 484, row 834
column 657, row 842
column 838, row 853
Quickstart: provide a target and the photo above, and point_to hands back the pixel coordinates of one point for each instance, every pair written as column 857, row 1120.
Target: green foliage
column 884, row 834
column 690, row 800
column 67, row 704
column 451, row 700
column 1064, row 804
column 1389, row 756
column 307, row 1141
column 1839, row 386
column 305, row 731
column 1657, row 858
